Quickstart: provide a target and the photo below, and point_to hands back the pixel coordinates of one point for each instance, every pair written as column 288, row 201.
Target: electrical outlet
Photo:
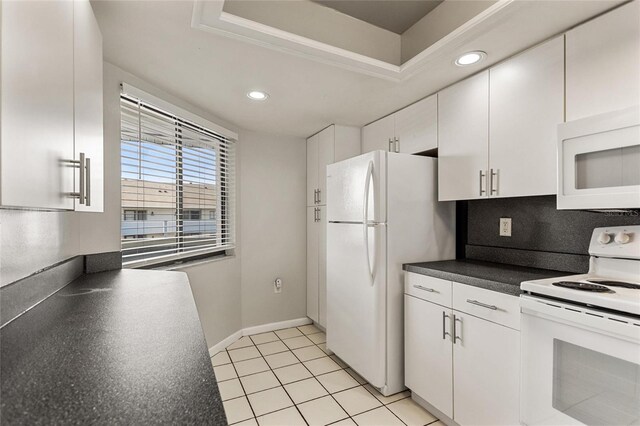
column 277, row 285
column 505, row 226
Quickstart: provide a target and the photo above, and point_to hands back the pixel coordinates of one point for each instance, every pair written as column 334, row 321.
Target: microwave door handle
column 365, row 220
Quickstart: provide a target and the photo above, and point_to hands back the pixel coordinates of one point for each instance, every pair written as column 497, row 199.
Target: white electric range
column 580, row 336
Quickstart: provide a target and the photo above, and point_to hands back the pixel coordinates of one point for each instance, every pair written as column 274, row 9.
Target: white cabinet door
column 526, row 105
column 347, row 142
column 37, row 104
column 322, row 265
column 326, row 151
column 428, row 368
column 377, row 135
column 312, row 170
column 463, row 139
column 312, row 263
column 416, row 126
column 88, row 103
column 486, row 359
column 603, row 63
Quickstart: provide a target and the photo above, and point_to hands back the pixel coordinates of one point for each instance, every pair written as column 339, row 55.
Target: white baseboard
column 250, row 331
column 224, row 343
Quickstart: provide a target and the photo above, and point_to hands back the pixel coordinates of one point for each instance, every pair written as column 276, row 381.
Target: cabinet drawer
column 428, row 288
column 497, row 307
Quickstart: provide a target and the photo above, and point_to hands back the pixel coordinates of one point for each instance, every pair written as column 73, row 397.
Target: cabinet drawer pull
column 430, row 290
column 484, row 305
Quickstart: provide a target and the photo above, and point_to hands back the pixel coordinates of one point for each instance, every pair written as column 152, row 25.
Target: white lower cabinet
column 428, row 352
column 316, row 264
column 466, row 366
column 486, row 370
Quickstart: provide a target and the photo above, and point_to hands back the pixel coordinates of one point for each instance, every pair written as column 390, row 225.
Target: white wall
column 231, row 293
column 273, row 227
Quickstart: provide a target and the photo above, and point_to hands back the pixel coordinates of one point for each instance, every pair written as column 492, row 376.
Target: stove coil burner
column 621, row 284
column 583, row 286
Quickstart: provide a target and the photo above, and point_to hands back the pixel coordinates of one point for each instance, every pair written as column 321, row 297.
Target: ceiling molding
column 209, row 16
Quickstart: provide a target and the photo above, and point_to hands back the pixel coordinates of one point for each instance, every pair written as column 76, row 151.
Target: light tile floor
column 289, row 377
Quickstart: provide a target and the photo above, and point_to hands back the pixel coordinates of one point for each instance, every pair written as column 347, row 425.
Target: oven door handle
column 618, row 326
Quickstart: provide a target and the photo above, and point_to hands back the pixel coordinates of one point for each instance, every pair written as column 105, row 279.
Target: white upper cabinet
column 379, row 135
column 51, row 91
column 463, row 139
column 88, row 105
column 411, row 130
column 526, row 104
column 312, row 170
column 417, row 126
column 603, row 63
column 334, row 143
column 37, row 104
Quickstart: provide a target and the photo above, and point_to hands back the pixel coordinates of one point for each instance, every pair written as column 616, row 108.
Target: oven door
column 599, row 161
column 579, row 366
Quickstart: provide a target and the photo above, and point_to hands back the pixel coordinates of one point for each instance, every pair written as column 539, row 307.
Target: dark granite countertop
column 491, row 276
column 118, row 347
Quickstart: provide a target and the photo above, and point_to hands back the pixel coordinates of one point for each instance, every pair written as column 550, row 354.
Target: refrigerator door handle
column 365, row 220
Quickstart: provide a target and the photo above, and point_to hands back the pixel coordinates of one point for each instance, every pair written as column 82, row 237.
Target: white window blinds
column 178, row 187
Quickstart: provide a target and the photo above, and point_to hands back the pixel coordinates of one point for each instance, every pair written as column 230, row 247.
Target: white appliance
column 599, row 161
column 581, row 339
column 382, row 211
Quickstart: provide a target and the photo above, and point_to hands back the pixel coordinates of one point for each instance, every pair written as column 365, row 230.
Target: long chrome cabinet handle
column 87, row 184
column 444, row 332
column 319, row 197
column 494, row 190
column 430, row 290
column 318, row 214
column 482, row 190
column 455, row 331
column 484, row 305
column 81, row 165
column 397, row 144
column 390, row 145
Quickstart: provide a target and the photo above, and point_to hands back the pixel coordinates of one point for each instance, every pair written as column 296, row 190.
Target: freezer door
column 347, row 182
column 356, row 297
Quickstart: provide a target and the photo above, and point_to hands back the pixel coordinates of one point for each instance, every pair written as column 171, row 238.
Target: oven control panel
column 616, row 241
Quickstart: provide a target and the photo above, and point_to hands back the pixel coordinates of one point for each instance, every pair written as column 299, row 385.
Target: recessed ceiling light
column 470, row 58
column 257, row 95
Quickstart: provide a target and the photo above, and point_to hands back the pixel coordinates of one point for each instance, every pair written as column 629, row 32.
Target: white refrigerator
column 382, row 211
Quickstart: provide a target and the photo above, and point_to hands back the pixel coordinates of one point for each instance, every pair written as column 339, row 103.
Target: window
column 177, row 187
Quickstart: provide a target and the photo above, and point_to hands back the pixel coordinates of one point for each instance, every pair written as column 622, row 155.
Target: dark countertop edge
column 496, row 285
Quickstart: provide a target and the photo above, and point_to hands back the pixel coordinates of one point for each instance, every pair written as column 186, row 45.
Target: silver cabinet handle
column 390, row 145
column 397, row 144
column 318, row 214
column 319, row 198
column 494, row 190
column 444, row 332
column 430, row 290
column 455, row 332
column 83, row 165
column 87, row 184
column 484, row 305
column 82, row 190
column 482, row 190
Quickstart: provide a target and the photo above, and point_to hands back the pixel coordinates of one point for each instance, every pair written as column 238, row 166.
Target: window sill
column 195, row 262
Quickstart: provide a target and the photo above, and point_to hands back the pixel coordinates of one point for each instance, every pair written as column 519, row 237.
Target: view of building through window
column 173, row 176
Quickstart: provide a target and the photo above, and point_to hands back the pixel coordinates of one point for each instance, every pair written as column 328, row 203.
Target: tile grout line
column 242, row 386
column 313, row 376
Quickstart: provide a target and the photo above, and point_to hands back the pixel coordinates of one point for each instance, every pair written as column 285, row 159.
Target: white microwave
column 599, row 162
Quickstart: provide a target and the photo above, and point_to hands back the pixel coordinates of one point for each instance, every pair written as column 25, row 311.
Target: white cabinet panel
column 486, row 360
column 312, row 169
column 312, row 263
column 416, row 126
column 428, row 353
column 603, row 63
column 326, row 152
column 322, row 265
column 378, row 135
column 88, row 103
column 526, row 105
column 463, row 139
column 347, row 142
column 37, row 104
